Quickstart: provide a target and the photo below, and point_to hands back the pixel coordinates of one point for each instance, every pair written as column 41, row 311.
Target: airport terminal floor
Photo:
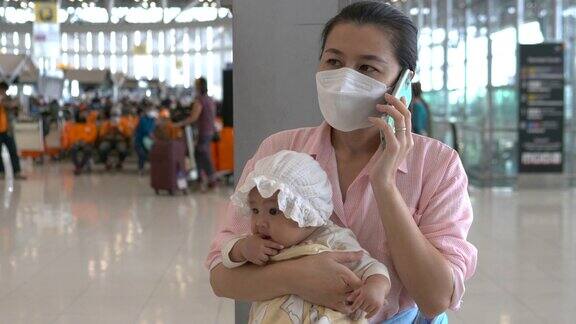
column 103, row 248
column 124, row 124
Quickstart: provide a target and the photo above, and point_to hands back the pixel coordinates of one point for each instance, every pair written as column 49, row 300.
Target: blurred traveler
column 421, row 117
column 113, row 138
column 8, row 111
column 83, row 137
column 202, row 116
column 144, row 135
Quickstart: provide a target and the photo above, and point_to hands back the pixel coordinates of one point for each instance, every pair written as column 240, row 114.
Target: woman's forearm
column 422, row 269
column 250, row 282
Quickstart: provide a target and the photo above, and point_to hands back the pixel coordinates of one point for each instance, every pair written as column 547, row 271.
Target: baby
column 289, row 199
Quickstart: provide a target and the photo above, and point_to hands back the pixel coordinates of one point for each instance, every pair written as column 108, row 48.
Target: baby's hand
column 371, row 296
column 258, row 250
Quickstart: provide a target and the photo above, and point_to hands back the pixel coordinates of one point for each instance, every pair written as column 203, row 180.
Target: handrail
column 568, row 127
column 456, row 128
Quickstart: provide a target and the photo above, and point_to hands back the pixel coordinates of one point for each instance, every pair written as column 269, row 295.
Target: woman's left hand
column 398, row 142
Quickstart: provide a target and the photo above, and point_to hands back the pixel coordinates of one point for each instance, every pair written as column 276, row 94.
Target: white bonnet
column 305, row 193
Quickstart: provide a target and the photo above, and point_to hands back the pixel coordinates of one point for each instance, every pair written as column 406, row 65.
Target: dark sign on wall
column 541, row 111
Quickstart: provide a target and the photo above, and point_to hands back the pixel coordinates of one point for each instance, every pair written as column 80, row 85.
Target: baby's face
column 267, row 220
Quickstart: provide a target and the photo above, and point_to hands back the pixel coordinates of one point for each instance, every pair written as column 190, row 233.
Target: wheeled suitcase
column 167, row 166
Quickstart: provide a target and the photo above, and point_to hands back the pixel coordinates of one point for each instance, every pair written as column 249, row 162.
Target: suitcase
column 167, row 166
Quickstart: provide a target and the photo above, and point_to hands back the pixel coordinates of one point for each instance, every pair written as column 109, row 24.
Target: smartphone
column 403, row 88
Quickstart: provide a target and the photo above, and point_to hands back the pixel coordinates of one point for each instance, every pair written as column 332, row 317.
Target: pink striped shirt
column 432, row 182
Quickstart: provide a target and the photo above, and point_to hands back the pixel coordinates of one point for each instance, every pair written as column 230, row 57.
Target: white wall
column 276, row 50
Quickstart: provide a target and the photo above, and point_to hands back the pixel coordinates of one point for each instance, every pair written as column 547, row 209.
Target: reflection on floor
column 527, row 258
column 102, row 248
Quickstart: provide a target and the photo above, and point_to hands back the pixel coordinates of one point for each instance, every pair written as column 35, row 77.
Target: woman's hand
column 398, row 142
column 323, row 279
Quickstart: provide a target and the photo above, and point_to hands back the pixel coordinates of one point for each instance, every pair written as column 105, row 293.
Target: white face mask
column 347, row 98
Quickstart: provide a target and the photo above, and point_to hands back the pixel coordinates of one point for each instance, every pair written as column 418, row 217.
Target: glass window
column 177, row 56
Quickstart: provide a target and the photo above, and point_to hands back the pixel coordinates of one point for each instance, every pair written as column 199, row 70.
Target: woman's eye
column 273, row 211
column 333, row 62
column 254, row 211
column 367, row 69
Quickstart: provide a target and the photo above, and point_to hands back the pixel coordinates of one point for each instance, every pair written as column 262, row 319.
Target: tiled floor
column 103, row 248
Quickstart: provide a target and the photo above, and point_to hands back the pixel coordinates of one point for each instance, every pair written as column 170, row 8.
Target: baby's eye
column 273, row 211
column 255, row 211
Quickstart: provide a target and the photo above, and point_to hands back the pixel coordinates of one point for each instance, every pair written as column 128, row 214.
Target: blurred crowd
column 100, row 131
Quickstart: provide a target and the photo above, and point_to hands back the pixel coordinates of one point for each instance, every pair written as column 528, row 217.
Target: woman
column 113, row 136
column 421, row 119
column 144, row 134
column 406, row 202
column 203, row 114
column 83, row 136
column 8, row 112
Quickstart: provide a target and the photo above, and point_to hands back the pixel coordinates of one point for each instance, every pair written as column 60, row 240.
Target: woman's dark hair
column 3, row 86
column 403, row 33
column 202, row 86
column 417, row 89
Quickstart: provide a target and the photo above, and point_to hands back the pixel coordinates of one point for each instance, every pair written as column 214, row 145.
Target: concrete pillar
column 276, row 51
